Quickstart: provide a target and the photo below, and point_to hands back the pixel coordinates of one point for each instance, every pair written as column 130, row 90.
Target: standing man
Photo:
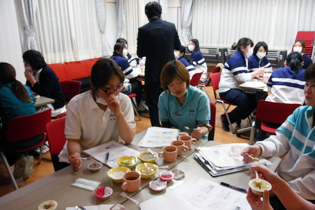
column 156, row 41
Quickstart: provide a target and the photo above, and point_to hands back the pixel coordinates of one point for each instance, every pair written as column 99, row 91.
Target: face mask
column 249, row 53
column 175, row 95
column 297, row 49
column 260, row 55
column 100, row 100
column 125, row 52
column 28, row 68
column 176, row 55
column 191, row 48
column 126, row 45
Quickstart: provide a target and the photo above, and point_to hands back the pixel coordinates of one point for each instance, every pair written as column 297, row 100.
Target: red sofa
column 79, row 70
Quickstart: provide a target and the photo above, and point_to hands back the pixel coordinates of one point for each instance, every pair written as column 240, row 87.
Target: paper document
column 159, row 137
column 168, row 201
column 227, row 155
column 206, row 194
column 86, row 184
column 115, row 149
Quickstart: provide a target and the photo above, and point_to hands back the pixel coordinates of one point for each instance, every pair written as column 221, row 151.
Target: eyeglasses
column 110, row 91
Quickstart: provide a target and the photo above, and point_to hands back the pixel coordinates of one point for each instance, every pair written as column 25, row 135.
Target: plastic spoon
column 257, row 179
column 253, row 158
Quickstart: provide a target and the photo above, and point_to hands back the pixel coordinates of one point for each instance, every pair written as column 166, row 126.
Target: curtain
column 219, row 23
column 186, row 20
column 67, row 30
column 101, row 19
column 29, row 10
column 136, row 18
column 121, row 18
column 164, row 6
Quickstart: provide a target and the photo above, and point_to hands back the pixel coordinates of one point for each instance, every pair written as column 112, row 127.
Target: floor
column 46, row 167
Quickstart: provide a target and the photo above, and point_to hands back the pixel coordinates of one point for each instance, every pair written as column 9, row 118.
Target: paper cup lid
column 157, row 185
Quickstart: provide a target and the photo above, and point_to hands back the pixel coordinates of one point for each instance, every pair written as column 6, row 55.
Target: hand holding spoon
column 253, row 158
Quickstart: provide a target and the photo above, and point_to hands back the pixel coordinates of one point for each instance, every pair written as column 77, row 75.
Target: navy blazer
column 49, row 86
column 157, row 41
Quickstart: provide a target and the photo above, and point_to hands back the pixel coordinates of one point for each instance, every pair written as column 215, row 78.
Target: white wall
column 10, row 45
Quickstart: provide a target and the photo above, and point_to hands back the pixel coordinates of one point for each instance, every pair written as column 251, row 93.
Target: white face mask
column 260, row 55
column 297, row 49
column 126, row 45
column 100, row 100
column 28, row 68
column 175, row 95
column 176, row 54
column 125, row 52
column 249, row 53
column 191, row 47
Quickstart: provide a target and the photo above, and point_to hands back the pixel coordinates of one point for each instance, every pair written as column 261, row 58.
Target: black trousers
column 153, row 91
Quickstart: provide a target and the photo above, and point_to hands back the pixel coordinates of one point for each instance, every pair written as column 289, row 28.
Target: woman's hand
column 29, row 76
column 258, row 72
column 197, row 133
column 77, row 163
column 255, row 200
column 113, row 104
column 254, row 151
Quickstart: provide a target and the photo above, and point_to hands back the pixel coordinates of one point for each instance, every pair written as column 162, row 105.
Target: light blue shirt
column 195, row 110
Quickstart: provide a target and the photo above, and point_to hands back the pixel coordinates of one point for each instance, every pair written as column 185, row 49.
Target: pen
column 233, row 187
column 106, row 157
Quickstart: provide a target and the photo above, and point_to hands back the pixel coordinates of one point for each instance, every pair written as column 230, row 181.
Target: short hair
column 244, row 42
column 302, row 43
column 121, row 40
column 119, row 47
column 182, row 50
column 35, row 59
column 171, row 70
column 153, row 9
column 196, row 42
column 102, row 71
column 310, row 72
column 260, row 44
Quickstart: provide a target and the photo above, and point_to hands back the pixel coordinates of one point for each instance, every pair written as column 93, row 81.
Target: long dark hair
column 294, row 60
column 7, row 75
column 196, row 42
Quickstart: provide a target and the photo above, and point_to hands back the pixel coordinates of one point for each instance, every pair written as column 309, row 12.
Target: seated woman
column 43, row 81
column 259, row 59
column 130, row 73
column 180, row 55
column 131, row 60
column 99, row 115
column 299, row 46
column 234, row 73
column 16, row 100
column 181, row 105
column 197, row 59
column 286, row 84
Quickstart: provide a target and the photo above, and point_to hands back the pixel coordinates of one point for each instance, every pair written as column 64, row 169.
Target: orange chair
column 132, row 97
column 195, row 81
column 270, row 116
column 213, row 109
column 26, row 127
column 215, row 80
column 56, row 139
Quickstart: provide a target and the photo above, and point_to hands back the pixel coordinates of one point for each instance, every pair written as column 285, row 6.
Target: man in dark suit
column 156, row 41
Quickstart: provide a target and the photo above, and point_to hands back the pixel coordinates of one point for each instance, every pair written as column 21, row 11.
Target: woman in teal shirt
column 181, row 105
column 16, row 100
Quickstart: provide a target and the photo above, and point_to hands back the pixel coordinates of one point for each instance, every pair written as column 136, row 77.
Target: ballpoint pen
column 233, row 187
column 106, row 157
